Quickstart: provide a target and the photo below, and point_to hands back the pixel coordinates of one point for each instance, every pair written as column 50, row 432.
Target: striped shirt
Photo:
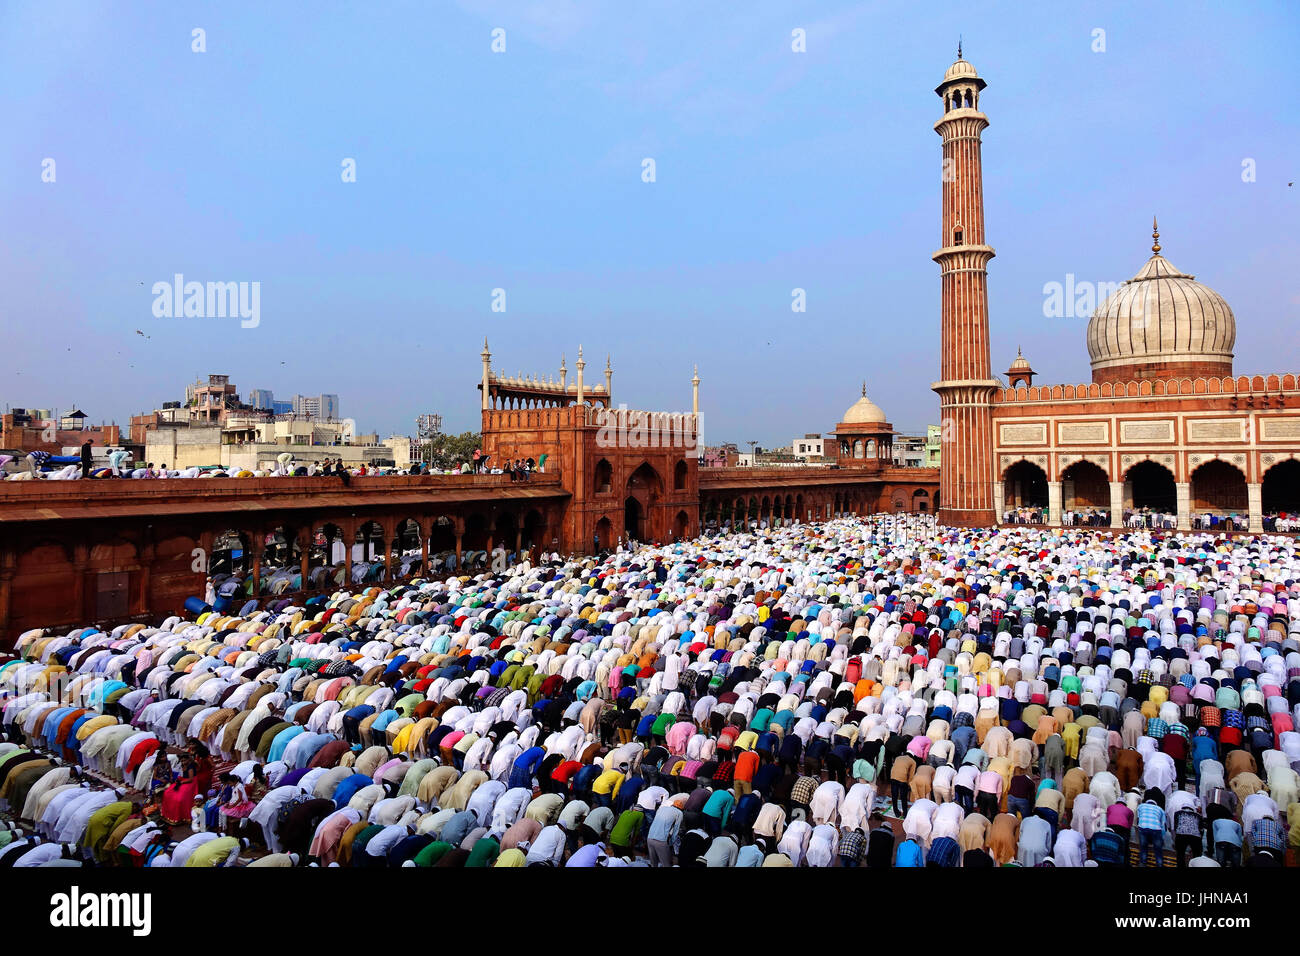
column 1151, row 816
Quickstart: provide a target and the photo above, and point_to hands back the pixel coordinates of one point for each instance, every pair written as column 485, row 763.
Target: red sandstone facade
column 107, row 552
column 966, row 382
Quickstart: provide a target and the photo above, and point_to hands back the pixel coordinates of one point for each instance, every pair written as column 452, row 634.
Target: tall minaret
column 966, row 384
column 486, row 356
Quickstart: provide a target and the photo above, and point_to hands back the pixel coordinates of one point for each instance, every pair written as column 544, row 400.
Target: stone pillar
column 1183, row 489
column 1054, row 503
column 304, row 540
column 999, row 501
column 424, row 549
column 1116, row 504
column 1255, row 504
column 349, row 535
column 458, row 552
column 257, row 540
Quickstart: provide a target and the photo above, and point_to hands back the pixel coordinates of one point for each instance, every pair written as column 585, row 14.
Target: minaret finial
column 959, row 46
column 864, row 389
column 1019, row 354
column 1155, row 235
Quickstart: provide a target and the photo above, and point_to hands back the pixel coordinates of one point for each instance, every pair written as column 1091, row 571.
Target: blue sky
column 522, row 170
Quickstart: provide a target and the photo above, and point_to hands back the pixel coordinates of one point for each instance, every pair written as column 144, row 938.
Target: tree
column 449, row 451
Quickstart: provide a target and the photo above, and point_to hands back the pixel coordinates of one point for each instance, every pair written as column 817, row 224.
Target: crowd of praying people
column 1086, row 517
column 878, row 692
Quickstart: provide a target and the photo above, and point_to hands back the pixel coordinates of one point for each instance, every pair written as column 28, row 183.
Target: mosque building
column 1164, row 428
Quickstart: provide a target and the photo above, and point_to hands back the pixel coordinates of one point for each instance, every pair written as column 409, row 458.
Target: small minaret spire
column 581, row 365
column 1155, row 235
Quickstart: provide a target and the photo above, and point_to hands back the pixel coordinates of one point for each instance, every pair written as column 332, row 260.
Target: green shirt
column 628, row 829
column 434, row 852
column 484, row 852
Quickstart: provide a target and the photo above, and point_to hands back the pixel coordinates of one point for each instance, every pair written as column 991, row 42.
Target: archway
column 281, row 561
column 534, row 536
column 231, row 555
column 679, row 476
column 1084, row 485
column 1219, row 490
column 1281, row 488
column 680, row 525
column 1025, row 486
column 324, row 550
column 604, row 477
column 632, row 518
column 407, row 552
column 1085, row 494
column 473, row 543
column 1152, row 487
column 442, row 545
column 646, row 487
column 604, row 534
column 504, row 537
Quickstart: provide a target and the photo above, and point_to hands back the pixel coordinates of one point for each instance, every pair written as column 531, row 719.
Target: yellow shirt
column 608, row 782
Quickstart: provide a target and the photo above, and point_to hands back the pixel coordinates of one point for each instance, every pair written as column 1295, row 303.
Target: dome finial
column 1019, row 353
column 864, row 389
column 1155, row 235
column 959, row 46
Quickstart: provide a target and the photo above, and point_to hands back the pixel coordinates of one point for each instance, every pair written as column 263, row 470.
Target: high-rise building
column 323, row 408
column 261, row 398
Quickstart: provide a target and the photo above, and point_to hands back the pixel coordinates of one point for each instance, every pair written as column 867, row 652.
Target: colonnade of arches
column 778, row 509
column 319, row 554
column 1217, row 495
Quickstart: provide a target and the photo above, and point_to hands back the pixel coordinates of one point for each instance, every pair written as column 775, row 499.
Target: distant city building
column 208, row 401
column 933, row 445
column 725, row 455
column 318, row 407
column 23, row 430
column 262, row 398
column 909, row 450
column 809, row 446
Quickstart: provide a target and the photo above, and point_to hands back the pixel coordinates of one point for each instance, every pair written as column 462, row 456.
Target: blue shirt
column 666, row 825
column 909, row 854
column 1150, row 816
column 1227, row 831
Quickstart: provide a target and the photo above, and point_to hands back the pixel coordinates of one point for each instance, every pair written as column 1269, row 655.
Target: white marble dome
column 1159, row 316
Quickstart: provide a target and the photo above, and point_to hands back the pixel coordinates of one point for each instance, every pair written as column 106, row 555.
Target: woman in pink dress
column 237, row 804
